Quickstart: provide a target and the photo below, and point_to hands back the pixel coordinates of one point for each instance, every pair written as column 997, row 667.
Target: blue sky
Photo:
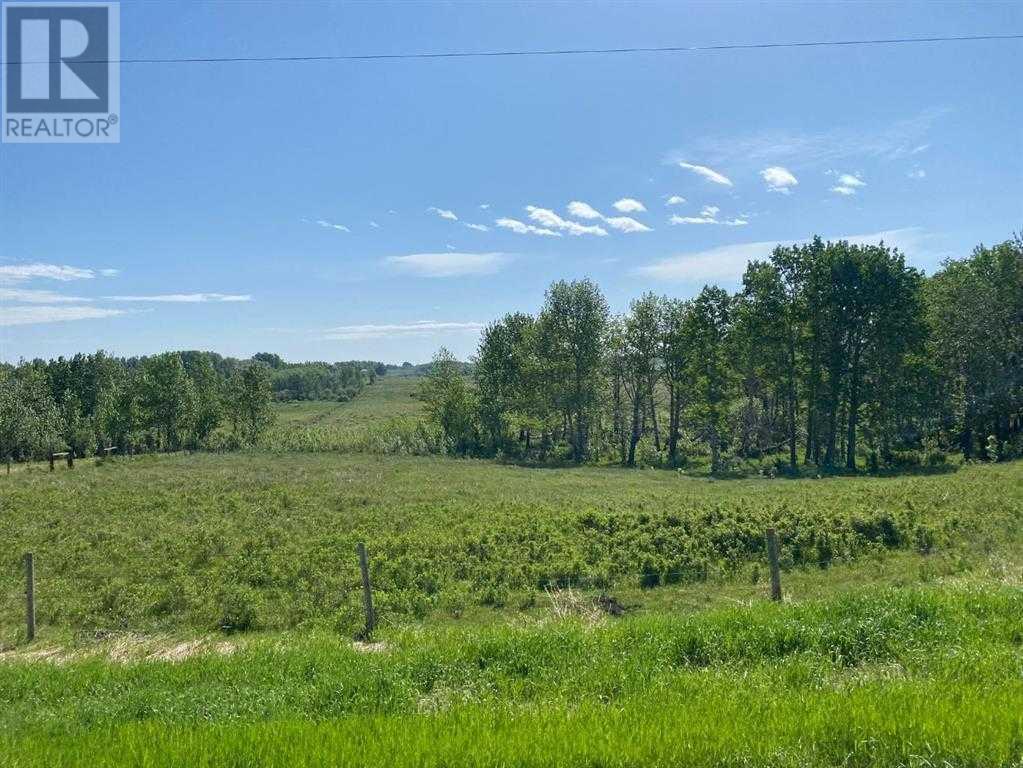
column 322, row 210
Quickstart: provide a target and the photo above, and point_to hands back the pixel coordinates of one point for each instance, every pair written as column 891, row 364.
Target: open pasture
column 265, row 541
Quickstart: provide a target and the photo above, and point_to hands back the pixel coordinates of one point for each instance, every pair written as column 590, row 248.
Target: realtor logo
column 61, row 72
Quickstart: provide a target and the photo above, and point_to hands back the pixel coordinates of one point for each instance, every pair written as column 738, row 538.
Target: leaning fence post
column 367, row 591
column 30, row 597
column 772, row 556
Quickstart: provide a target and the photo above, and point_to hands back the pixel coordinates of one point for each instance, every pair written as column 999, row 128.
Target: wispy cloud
column 726, row 263
column 708, row 215
column 24, row 296
column 629, row 205
column 110, row 272
column 16, row 273
column 779, row 179
column 917, row 173
column 443, row 213
column 330, row 225
column 399, row 330
column 451, row 264
column 675, row 200
column 708, row 173
column 899, row 138
column 37, row 314
column 374, row 225
column 550, row 220
column 847, row 183
column 626, row 224
column 522, row 228
column 185, row 298
column 477, row 227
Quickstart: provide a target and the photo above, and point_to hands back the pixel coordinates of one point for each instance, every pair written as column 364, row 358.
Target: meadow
column 200, row 609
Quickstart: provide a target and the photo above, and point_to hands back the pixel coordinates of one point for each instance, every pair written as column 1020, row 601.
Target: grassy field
column 897, row 677
column 265, row 541
column 388, row 397
column 200, row 610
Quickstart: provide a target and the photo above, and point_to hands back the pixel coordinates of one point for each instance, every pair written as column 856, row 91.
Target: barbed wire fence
column 27, row 585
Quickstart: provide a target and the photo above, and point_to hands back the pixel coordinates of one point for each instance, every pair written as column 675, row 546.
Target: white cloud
column 37, row 297
column 898, row 139
column 478, row 227
column 675, row 200
column 917, row 173
column 708, row 215
column 34, row 315
column 849, row 180
column 484, row 206
column 16, row 273
column 332, row 225
column 779, row 179
column 583, row 211
column 449, row 264
column 110, row 272
column 399, row 330
column 726, row 263
column 443, row 213
column 185, row 298
column 23, row 296
column 525, row 229
column 676, row 219
column 629, row 205
column 708, row 173
column 374, row 225
column 626, row 224
column 843, row 191
column 550, row 220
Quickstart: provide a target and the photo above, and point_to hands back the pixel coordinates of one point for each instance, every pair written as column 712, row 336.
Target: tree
column 252, row 395
column 167, row 398
column 571, row 327
column 642, row 347
column 449, row 402
column 708, row 327
column 676, row 357
column 206, row 388
column 505, row 371
column 29, row 419
column 974, row 312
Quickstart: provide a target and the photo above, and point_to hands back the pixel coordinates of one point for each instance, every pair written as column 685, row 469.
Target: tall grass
column 259, row 541
column 894, row 677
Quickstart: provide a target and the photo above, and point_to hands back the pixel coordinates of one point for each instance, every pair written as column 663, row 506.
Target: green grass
column 922, row 676
column 266, row 541
column 387, row 398
column 900, row 642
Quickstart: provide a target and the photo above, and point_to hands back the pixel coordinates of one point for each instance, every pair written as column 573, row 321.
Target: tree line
column 831, row 354
column 165, row 402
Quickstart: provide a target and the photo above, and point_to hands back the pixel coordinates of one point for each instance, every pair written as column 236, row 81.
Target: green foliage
column 157, row 541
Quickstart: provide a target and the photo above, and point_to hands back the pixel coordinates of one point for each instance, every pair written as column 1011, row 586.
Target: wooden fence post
column 71, row 458
column 772, row 556
column 367, row 591
column 51, row 461
column 30, row 597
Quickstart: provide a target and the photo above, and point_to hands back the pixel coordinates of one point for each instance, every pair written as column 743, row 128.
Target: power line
column 553, row 52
